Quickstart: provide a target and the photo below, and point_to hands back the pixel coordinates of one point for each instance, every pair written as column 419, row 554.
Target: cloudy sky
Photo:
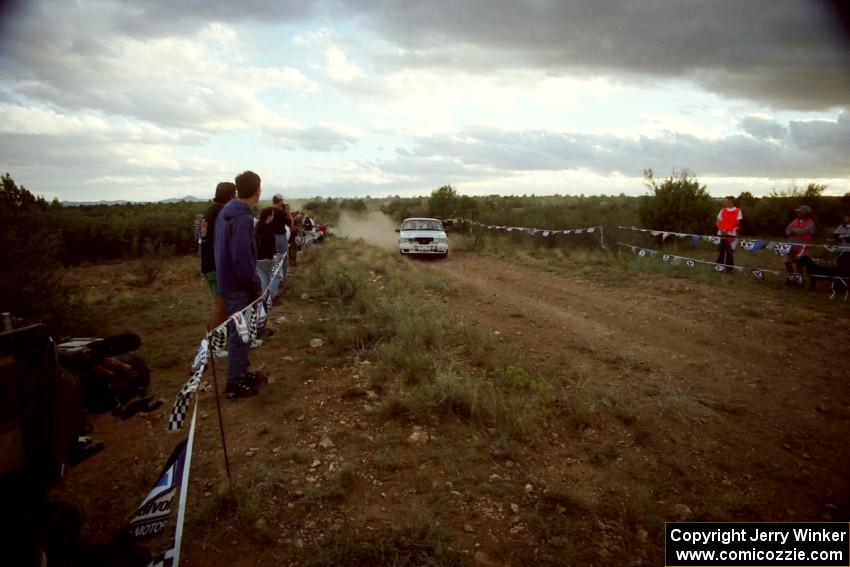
column 145, row 100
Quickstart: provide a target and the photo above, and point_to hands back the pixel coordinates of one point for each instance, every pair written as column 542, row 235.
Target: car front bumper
column 423, row 248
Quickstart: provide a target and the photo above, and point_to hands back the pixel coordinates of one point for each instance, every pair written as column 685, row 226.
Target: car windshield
column 422, row 224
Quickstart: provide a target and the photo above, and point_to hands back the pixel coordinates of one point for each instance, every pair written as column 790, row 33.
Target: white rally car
column 422, row 236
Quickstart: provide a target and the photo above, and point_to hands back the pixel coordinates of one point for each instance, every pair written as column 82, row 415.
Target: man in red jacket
column 728, row 220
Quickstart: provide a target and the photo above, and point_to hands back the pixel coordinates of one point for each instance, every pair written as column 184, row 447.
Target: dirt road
column 736, row 406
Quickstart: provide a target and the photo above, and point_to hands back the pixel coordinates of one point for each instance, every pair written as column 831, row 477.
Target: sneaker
column 256, row 378
column 240, row 390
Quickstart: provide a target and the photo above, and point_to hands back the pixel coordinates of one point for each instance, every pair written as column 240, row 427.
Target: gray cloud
column 762, row 127
column 155, row 18
column 74, row 168
column 102, row 56
column 159, row 63
column 787, row 54
column 804, row 149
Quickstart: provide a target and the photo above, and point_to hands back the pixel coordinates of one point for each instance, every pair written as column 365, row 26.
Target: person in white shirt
column 842, row 237
column 842, row 232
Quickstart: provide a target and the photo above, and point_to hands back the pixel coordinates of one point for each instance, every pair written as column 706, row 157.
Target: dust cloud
column 374, row 228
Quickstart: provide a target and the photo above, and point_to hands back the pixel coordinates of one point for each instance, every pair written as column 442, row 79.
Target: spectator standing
column 842, row 238
column 281, row 226
column 842, row 232
column 224, row 192
column 196, row 230
column 236, row 263
column 800, row 231
column 728, row 222
column 293, row 238
column 265, row 246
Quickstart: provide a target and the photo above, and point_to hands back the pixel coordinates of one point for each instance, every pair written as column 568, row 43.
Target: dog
column 814, row 270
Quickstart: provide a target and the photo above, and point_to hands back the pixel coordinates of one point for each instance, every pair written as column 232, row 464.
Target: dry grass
column 424, row 360
column 417, row 542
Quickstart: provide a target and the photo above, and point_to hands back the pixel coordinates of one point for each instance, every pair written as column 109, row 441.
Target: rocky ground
column 671, row 399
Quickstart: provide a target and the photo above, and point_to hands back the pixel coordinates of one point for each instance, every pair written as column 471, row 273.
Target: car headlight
column 440, row 240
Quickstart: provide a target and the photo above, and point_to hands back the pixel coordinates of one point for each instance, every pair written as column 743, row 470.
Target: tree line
column 38, row 239
column 677, row 203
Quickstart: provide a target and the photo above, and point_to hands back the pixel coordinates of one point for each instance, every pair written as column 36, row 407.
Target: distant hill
column 88, row 203
column 186, row 199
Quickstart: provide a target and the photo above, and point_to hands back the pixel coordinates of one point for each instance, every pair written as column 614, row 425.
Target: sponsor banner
column 151, row 517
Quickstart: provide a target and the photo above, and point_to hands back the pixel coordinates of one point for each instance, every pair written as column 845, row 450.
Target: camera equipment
column 44, row 391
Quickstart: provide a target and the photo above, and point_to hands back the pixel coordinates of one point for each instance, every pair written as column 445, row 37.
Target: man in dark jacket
column 282, row 227
column 236, row 266
column 224, row 192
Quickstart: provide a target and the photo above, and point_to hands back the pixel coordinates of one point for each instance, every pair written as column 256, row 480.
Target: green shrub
column 677, row 203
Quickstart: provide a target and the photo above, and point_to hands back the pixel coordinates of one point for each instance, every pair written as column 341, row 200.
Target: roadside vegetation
column 424, row 361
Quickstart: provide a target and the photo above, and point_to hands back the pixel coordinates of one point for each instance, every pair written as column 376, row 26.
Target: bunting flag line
column 187, row 392
column 545, row 232
column 750, row 245
column 692, row 262
column 218, row 340
column 839, row 283
column 247, row 323
column 309, row 237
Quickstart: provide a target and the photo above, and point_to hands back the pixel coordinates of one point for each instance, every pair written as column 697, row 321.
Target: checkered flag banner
column 184, row 400
column 261, row 316
column 783, row 249
column 202, row 357
column 165, row 560
column 251, row 321
column 309, row 237
column 218, row 338
column 240, row 321
column 278, row 265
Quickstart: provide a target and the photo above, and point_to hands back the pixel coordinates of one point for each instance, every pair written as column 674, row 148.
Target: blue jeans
column 264, row 271
column 280, row 243
column 237, row 352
